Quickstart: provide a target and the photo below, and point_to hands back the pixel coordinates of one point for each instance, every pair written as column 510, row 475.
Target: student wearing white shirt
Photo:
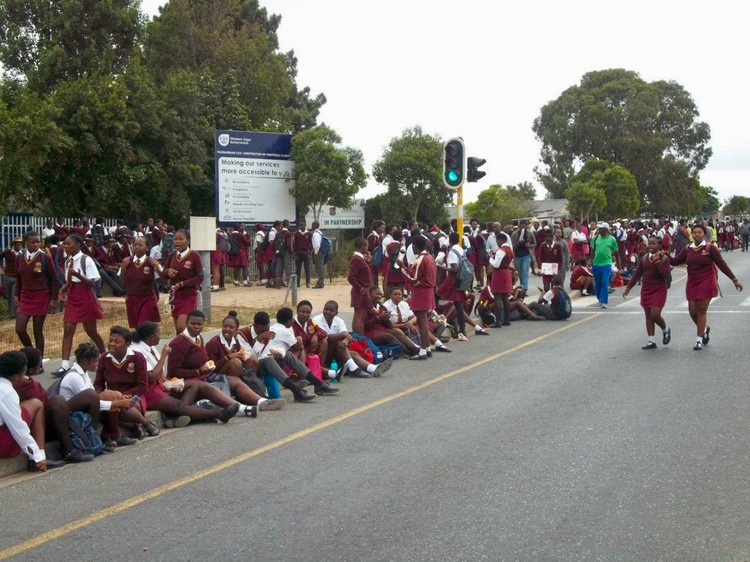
column 403, row 318
column 338, row 341
column 21, row 423
column 317, row 241
column 81, row 304
column 279, row 347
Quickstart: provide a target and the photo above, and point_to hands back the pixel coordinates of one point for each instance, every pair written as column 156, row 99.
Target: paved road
column 567, row 442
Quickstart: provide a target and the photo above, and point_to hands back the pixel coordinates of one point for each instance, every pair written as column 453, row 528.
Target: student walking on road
column 603, row 246
column 702, row 259
column 655, row 271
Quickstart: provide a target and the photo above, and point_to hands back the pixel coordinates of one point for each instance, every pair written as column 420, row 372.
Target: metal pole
column 206, row 287
column 460, row 213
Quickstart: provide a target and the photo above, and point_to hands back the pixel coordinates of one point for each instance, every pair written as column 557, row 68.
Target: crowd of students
column 409, row 291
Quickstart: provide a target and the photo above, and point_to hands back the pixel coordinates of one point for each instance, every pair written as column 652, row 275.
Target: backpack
column 482, row 246
column 563, row 308
column 234, row 247
column 377, row 256
column 377, row 352
column 167, row 245
column 83, row 435
column 279, row 243
column 97, row 233
column 465, row 273
column 325, row 247
column 223, row 244
column 59, row 265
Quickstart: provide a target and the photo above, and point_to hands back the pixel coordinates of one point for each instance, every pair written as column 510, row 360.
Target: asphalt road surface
column 543, row 441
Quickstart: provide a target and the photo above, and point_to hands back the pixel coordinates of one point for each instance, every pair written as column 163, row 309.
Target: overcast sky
column 388, row 65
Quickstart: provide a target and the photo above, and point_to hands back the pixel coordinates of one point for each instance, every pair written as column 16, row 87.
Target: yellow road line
column 161, row 490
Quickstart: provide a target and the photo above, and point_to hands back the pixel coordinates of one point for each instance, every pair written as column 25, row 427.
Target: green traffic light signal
column 453, row 163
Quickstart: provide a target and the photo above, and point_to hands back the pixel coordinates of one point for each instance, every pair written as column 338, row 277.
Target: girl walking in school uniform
column 137, row 276
column 35, row 292
column 702, row 259
column 184, row 270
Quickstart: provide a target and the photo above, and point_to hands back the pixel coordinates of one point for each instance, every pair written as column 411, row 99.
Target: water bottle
column 335, row 369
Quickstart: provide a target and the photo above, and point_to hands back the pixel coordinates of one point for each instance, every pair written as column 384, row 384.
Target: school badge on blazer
column 131, row 367
column 188, row 264
column 37, row 267
column 146, row 270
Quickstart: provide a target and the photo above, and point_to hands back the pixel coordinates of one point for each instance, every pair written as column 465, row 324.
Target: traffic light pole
column 460, row 213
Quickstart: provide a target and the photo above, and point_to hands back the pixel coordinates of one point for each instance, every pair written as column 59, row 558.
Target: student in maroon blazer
column 360, row 279
column 35, row 291
column 375, row 239
column 137, row 276
column 550, row 252
column 123, row 374
column 184, row 270
column 423, row 276
column 189, row 360
column 302, row 252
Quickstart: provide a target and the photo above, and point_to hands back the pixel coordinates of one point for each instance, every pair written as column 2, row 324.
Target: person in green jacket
column 602, row 247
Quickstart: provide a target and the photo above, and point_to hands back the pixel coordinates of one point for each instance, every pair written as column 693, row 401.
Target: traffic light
column 453, row 163
column 473, row 174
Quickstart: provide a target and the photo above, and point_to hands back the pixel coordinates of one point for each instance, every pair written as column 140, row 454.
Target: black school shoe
column 649, row 345
column 151, row 429
column 667, row 337
column 325, row 389
column 358, row 374
column 705, row 335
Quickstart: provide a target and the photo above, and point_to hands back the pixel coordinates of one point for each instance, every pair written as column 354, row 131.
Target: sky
column 483, row 70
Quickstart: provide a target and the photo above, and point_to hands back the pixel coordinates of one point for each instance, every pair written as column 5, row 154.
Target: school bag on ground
column 465, row 273
column 83, row 435
column 563, row 308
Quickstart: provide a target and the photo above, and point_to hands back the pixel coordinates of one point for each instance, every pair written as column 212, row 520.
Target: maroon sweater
column 359, row 274
column 218, row 353
column 189, row 272
column 9, row 258
column 186, row 358
column 36, row 275
column 303, row 241
column 139, row 280
column 130, row 377
column 552, row 255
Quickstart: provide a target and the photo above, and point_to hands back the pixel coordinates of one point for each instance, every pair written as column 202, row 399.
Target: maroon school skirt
column 360, row 301
column 152, row 396
column 653, row 295
column 34, row 303
column 422, row 298
column 183, row 304
column 502, row 281
column 447, row 290
column 142, row 308
column 702, row 285
column 8, row 446
column 82, row 305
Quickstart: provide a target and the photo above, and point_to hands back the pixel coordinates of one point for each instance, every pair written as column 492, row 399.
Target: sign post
column 203, row 240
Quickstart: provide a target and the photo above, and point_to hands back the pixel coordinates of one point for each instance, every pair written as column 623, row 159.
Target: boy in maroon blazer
column 360, row 279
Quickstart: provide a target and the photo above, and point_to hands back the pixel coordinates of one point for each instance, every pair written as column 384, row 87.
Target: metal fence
column 15, row 224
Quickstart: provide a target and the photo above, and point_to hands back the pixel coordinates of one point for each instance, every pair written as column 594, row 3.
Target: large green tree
column 617, row 183
column 650, row 128
column 497, row 204
column 325, row 172
column 411, row 166
column 585, row 200
column 737, row 205
column 524, row 190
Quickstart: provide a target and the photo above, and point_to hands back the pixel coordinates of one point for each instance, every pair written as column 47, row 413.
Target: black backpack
column 563, row 308
column 234, row 247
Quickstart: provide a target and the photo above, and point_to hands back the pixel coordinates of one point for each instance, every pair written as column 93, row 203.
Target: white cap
column 604, row 225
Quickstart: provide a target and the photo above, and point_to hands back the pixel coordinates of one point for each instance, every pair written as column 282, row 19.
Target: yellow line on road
column 161, row 490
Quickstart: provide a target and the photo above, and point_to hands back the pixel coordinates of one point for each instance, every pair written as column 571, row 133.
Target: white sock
column 243, row 408
column 65, row 364
column 371, row 368
column 439, row 344
column 422, row 351
column 665, row 330
column 699, row 339
column 652, row 339
column 351, row 365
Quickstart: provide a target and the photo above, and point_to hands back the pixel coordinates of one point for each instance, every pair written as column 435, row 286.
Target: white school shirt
column 499, row 256
column 452, row 257
column 258, row 350
column 317, row 240
column 337, row 325
column 10, row 417
column 577, row 236
column 83, row 265
column 258, row 240
column 387, row 239
column 393, row 309
column 47, row 232
column 284, row 339
column 410, row 255
column 150, row 353
column 155, row 253
column 76, row 381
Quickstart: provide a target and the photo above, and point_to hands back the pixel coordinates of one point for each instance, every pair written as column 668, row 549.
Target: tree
column 617, row 183
column 585, row 200
column 524, row 190
column 411, row 166
column 709, row 200
column 737, row 205
column 325, row 173
column 650, row 128
column 496, row 204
